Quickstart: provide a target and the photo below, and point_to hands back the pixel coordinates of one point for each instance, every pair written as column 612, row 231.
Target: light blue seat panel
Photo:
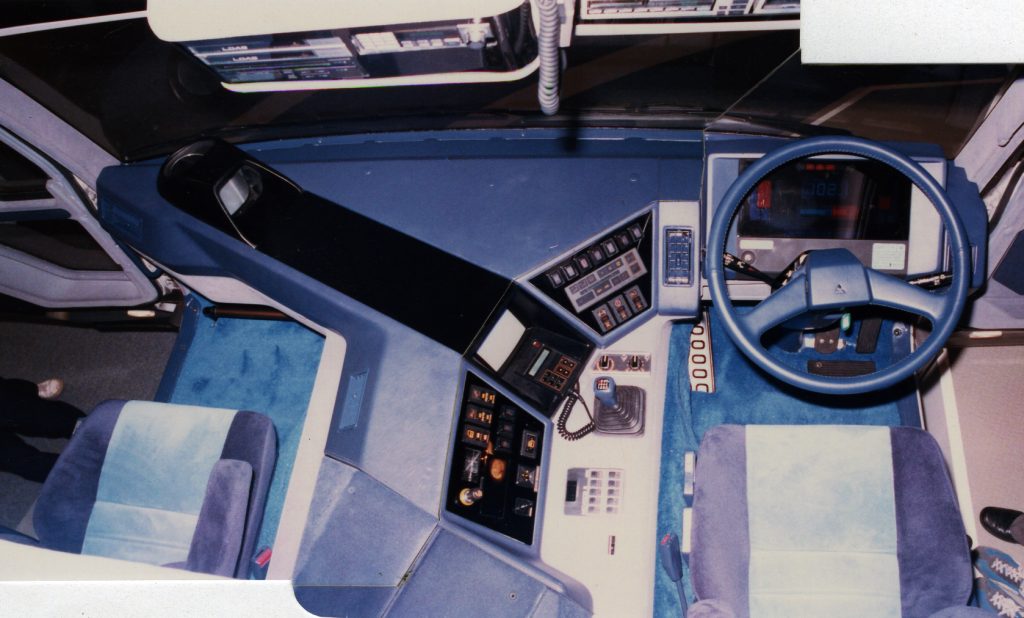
column 163, row 484
column 827, row 520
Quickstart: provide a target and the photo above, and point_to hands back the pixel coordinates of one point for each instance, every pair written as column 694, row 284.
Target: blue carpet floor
column 259, row 365
column 745, row 395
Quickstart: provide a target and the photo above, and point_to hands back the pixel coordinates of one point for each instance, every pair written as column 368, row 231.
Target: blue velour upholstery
column 162, row 484
column 826, row 520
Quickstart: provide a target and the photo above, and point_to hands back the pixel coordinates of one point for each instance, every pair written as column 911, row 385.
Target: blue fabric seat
column 826, row 520
column 165, row 484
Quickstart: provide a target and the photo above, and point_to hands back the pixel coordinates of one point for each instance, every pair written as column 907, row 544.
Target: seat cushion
column 132, row 481
column 826, row 520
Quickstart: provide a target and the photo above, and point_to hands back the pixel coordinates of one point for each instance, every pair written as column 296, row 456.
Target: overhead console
column 610, row 17
column 351, row 43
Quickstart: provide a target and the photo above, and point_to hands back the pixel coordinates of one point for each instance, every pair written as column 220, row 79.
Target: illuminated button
column 529, row 445
column 482, row 396
column 523, row 507
column 583, row 262
column 555, row 278
column 596, row 255
column 604, row 318
column 474, row 436
column 636, row 232
column 636, row 299
column 478, row 415
column 609, row 247
column 526, row 476
column 497, row 470
column 570, row 271
column 621, row 308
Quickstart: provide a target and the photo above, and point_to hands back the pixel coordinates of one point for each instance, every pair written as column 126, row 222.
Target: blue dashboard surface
column 506, row 200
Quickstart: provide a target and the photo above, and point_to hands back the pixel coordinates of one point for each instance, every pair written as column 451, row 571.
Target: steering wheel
column 834, row 279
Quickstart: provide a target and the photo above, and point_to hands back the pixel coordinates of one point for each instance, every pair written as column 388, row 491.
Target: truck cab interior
column 511, row 307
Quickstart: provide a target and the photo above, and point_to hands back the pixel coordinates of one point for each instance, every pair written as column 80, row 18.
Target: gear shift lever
column 618, row 409
column 604, row 391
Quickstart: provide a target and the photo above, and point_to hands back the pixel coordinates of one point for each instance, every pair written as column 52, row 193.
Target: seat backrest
column 132, row 482
column 827, row 520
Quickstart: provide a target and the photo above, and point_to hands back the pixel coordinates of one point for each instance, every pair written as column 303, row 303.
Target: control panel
column 495, row 466
column 679, row 234
column 607, row 283
column 678, row 253
column 351, row 50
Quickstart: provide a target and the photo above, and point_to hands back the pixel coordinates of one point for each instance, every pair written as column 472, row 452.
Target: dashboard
column 467, row 334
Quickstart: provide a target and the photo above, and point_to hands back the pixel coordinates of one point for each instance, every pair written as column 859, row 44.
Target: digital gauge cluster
column 832, row 201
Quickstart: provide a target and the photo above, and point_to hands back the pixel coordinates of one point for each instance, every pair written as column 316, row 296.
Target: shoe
column 998, row 521
column 50, row 389
column 996, row 565
column 995, row 597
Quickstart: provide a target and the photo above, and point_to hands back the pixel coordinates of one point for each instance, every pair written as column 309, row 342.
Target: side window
column 20, row 179
column 50, row 234
column 60, row 241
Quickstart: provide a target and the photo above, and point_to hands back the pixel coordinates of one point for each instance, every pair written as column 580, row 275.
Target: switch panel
column 679, row 245
column 607, row 283
column 495, row 469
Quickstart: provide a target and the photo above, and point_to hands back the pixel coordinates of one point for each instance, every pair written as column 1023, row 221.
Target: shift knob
column 604, row 391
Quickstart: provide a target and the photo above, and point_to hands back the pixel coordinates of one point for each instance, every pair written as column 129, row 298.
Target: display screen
column 535, row 367
column 814, row 198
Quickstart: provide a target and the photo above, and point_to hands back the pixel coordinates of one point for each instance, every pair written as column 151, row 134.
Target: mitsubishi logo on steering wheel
column 840, row 290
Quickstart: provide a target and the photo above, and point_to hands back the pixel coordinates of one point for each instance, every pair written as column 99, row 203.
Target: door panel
column 53, row 252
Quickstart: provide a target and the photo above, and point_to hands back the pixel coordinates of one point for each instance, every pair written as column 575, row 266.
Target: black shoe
column 998, row 521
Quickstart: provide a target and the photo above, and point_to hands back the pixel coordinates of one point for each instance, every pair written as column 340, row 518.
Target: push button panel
column 607, row 283
column 495, row 472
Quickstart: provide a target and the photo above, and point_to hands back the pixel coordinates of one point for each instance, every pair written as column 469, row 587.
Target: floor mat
column 745, row 395
column 259, row 365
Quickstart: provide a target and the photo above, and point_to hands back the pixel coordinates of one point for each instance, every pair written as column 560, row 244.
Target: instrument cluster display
column 832, row 199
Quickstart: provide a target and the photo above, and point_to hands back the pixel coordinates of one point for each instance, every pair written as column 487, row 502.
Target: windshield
column 138, row 96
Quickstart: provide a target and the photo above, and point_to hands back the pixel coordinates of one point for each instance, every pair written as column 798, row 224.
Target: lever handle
column 604, row 391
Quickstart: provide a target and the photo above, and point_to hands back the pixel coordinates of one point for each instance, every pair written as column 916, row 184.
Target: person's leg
column 22, row 411
column 13, row 389
column 24, row 460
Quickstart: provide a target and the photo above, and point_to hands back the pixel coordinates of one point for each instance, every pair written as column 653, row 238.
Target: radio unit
column 345, row 45
column 682, row 10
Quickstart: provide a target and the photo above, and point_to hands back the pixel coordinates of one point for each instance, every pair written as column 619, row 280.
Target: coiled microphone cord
column 563, row 416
